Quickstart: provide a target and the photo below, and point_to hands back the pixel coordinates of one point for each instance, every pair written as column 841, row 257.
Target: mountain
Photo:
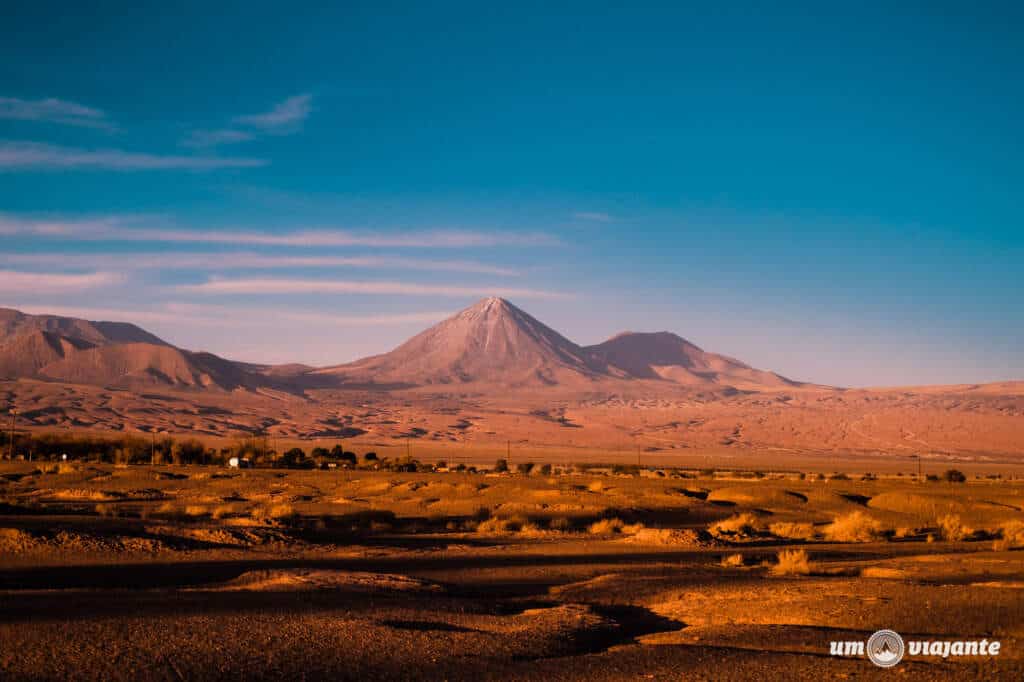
column 492, row 346
column 73, row 350
column 669, row 357
column 14, row 323
column 495, row 343
column 492, row 342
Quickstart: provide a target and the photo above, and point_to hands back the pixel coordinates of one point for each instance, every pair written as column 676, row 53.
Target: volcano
column 491, row 342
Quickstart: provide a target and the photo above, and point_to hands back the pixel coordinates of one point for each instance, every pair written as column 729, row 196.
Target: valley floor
column 202, row 573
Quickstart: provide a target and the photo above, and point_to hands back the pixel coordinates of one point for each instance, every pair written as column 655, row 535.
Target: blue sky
column 833, row 194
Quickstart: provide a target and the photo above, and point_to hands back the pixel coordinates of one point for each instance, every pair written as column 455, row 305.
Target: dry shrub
column 561, row 523
column 499, row 526
column 732, row 560
column 1011, row 536
column 904, row 532
column 792, row 530
column 853, row 527
column 196, row 510
column 272, row 512
column 952, row 529
column 792, row 562
column 165, row 508
column 613, row 526
column 741, row 525
column 107, row 510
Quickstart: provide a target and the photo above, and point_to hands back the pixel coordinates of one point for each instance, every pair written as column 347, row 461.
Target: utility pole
column 152, row 447
column 407, row 449
column 10, row 442
column 508, row 451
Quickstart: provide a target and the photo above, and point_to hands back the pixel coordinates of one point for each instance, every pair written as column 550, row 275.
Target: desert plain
column 199, row 572
column 490, row 500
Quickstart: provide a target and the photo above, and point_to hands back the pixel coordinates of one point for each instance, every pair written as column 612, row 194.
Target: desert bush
column 952, row 529
column 853, row 527
column 1011, row 536
column 165, row 508
column 272, row 512
column 513, row 524
column 792, row 530
column 560, row 523
column 500, row 466
column 792, row 562
column 107, row 510
column 740, row 525
column 839, row 476
column 545, row 469
column 731, row 560
column 524, row 468
column 613, row 526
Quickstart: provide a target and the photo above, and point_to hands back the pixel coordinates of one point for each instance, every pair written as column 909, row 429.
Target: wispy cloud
column 195, row 314
column 39, row 156
column 253, row 286
column 286, row 116
column 594, row 216
column 119, row 228
column 202, row 139
column 238, row 261
column 16, row 282
column 54, row 111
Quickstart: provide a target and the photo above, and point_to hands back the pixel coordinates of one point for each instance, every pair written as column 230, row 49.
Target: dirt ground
column 203, row 573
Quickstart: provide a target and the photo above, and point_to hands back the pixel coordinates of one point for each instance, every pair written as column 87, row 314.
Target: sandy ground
column 202, row 573
column 868, row 430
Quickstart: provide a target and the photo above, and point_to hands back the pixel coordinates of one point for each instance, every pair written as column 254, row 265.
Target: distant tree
column 954, row 476
column 319, row 453
column 347, row 457
column 501, row 466
column 441, row 464
column 370, row 457
column 545, row 469
column 337, row 451
column 931, row 478
column 524, row 468
column 293, row 457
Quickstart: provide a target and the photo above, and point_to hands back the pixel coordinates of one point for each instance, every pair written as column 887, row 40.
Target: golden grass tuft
column 272, row 512
column 614, row 526
column 952, row 529
column 1011, row 536
column 740, row 525
column 792, row 530
column 792, row 562
column 508, row 526
column 560, row 523
column 853, row 527
column 731, row 560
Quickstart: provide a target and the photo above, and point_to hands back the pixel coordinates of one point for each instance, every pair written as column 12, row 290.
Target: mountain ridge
column 491, row 345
